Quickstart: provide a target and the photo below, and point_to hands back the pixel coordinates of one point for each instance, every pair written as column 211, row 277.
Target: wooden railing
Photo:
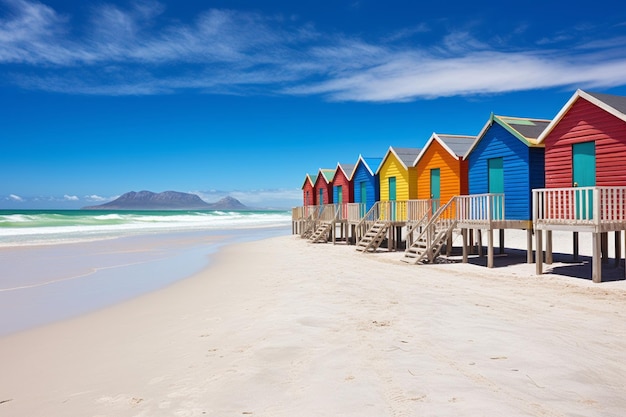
column 480, row 208
column 585, row 206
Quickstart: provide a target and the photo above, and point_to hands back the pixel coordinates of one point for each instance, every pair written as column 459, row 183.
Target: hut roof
column 327, row 174
column 406, row 156
column 526, row 130
column 615, row 105
column 371, row 164
column 347, row 169
column 455, row 145
column 310, row 178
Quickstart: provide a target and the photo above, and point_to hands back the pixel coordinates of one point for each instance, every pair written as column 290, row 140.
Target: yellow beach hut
column 397, row 175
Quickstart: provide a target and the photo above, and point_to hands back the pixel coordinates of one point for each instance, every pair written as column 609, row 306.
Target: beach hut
column 343, row 189
column 504, row 164
column 397, row 185
column 323, row 187
column 300, row 216
column 308, row 190
column 365, row 182
column 441, row 169
column 343, row 196
column 397, row 174
column 585, row 179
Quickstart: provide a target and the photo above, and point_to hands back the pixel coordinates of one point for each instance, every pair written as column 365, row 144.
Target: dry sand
column 282, row 327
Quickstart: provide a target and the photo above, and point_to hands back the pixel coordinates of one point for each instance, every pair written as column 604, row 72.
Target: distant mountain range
column 167, row 200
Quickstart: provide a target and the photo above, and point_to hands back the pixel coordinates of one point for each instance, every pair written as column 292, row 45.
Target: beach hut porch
column 597, row 210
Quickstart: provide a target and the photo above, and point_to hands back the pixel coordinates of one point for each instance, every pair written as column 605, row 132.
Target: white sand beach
column 283, row 327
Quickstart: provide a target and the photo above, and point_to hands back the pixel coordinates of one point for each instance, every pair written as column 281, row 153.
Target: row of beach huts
column 537, row 175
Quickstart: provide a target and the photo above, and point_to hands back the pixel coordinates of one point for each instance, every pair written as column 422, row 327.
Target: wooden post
column 604, row 247
column 479, row 238
column 618, row 248
column 529, row 246
column 549, row 247
column 596, row 264
column 501, row 241
column 490, row 248
column 538, row 252
column 449, row 244
column 465, row 248
column 575, row 239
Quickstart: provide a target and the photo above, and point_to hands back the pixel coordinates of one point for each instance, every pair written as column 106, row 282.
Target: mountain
column 167, row 200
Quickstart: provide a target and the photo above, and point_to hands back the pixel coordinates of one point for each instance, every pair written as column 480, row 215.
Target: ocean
column 58, row 264
column 37, row 227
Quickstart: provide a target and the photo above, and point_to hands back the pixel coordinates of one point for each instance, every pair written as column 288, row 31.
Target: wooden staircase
column 321, row 233
column 374, row 237
column 429, row 243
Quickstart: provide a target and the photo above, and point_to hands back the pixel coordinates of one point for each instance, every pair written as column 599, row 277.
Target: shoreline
column 267, row 331
column 47, row 283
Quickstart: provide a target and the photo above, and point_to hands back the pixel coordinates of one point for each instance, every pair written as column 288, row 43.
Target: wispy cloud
column 131, row 51
column 70, row 198
column 14, row 197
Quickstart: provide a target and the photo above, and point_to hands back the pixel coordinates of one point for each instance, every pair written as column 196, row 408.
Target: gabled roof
column 615, row 105
column 371, row 164
column 326, row 174
column 525, row 129
column 310, row 178
column 406, row 156
column 455, row 145
column 347, row 170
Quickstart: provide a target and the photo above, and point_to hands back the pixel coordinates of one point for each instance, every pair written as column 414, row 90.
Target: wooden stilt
column 596, row 261
column 490, row 248
column 465, row 244
column 576, row 246
column 618, row 248
column 538, row 252
column 501, row 241
column 479, row 238
column 604, row 247
column 529, row 246
column 549, row 247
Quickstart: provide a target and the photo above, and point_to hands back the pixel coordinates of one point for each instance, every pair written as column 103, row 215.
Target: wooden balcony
column 580, row 209
column 597, row 210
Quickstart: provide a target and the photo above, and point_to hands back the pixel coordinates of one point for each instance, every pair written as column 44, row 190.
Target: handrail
column 480, row 207
column 579, row 205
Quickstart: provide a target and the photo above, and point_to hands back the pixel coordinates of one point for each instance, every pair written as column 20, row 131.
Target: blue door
column 584, row 175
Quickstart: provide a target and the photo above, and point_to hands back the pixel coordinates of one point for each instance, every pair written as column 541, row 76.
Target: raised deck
column 596, row 210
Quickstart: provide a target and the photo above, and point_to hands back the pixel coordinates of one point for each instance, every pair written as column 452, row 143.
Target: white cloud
column 14, row 197
column 96, row 198
column 130, row 51
column 70, row 198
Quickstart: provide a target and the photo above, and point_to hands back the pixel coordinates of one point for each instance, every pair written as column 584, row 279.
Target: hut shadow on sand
column 563, row 264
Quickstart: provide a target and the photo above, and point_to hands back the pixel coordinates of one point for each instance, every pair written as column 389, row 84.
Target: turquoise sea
column 36, row 227
column 57, row 264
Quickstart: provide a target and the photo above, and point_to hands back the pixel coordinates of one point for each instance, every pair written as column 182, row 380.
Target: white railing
column 480, row 208
column 590, row 206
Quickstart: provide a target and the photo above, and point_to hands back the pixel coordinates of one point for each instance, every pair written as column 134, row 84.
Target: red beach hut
column 585, row 154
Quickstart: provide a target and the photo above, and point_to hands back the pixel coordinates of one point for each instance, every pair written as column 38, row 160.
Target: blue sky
column 244, row 97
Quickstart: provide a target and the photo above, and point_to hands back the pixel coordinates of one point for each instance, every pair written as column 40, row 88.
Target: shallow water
column 43, row 284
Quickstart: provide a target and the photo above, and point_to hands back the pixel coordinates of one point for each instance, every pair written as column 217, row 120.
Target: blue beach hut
column 505, row 163
column 507, row 159
column 365, row 181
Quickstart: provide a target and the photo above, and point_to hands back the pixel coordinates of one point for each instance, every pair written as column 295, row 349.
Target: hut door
column 584, row 175
column 321, row 199
column 363, row 186
column 339, row 194
column 392, row 198
column 435, row 188
column 392, row 188
column 496, row 185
